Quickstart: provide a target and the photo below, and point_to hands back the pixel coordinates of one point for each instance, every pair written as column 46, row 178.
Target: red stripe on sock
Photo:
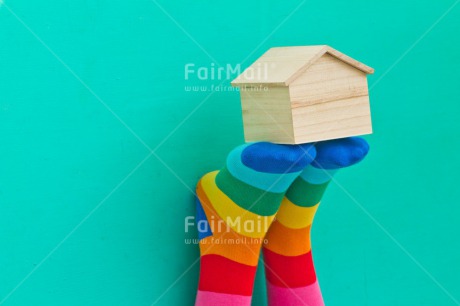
column 289, row 271
column 220, row 274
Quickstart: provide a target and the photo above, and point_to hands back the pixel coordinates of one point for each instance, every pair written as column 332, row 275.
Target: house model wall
column 304, row 94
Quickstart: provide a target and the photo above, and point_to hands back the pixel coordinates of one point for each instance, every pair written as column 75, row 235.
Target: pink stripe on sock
column 208, row 298
column 301, row 296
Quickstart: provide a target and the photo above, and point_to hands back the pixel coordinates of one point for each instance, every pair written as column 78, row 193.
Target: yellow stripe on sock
column 240, row 220
column 293, row 216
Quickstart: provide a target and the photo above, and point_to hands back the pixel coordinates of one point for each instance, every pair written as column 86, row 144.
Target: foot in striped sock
column 235, row 207
column 291, row 277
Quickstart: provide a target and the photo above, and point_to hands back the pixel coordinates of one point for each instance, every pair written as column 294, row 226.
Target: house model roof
column 282, row 65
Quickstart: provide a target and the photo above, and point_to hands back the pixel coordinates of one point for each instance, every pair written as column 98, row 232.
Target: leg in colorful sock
column 291, row 277
column 235, row 207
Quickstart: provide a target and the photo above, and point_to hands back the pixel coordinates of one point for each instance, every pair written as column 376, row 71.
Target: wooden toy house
column 304, row 94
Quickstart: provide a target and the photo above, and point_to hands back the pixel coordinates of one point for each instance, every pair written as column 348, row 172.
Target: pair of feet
column 236, row 210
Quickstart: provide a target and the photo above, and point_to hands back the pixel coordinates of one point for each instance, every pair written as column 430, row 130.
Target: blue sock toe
column 340, row 153
column 278, row 158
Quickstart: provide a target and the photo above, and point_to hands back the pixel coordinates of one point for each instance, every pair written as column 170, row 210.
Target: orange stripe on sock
column 234, row 246
column 288, row 241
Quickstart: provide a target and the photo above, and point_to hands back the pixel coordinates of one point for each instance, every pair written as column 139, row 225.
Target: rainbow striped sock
column 290, row 273
column 235, row 207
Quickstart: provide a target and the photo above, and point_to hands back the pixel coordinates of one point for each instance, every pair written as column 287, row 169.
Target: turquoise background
column 79, row 226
